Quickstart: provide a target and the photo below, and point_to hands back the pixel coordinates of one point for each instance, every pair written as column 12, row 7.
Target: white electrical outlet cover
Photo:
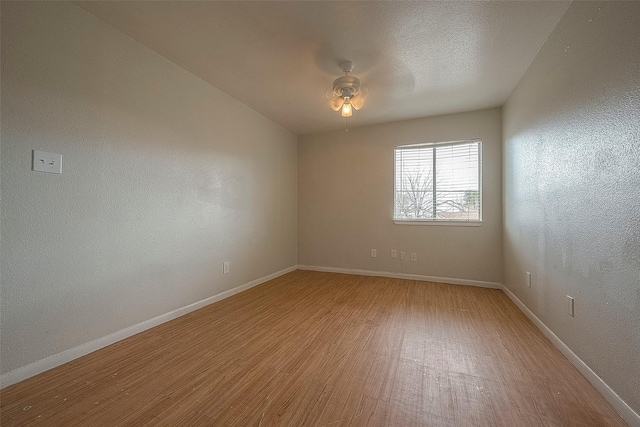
column 46, row 162
column 570, row 307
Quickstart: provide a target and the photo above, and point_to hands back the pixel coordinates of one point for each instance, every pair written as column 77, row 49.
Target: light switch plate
column 46, row 162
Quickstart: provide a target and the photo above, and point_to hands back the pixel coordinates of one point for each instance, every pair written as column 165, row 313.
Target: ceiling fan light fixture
column 347, row 91
column 357, row 102
column 336, row 103
column 346, row 108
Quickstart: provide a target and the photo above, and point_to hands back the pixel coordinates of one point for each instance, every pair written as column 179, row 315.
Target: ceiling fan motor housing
column 346, row 86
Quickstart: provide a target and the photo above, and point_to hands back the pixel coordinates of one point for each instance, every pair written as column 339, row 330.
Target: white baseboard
column 621, row 407
column 50, row 362
column 478, row 283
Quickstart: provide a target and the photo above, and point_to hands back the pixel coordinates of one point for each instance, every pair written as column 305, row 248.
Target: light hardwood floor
column 313, row 348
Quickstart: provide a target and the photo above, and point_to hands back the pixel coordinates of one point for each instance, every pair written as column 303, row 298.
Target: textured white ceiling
column 416, row 58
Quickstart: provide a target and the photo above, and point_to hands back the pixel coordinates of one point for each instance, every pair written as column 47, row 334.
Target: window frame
column 440, row 221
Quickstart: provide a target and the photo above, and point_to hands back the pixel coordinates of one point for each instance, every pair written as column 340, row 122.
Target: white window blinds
column 439, row 181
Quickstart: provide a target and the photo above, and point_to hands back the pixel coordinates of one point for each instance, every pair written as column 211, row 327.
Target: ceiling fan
column 347, row 93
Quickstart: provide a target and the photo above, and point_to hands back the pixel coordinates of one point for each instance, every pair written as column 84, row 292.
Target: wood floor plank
column 323, row 349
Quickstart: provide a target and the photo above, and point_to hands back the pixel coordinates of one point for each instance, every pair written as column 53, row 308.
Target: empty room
column 320, row 213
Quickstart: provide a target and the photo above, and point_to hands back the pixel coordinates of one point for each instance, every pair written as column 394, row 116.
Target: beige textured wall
column 572, row 188
column 345, row 201
column 164, row 178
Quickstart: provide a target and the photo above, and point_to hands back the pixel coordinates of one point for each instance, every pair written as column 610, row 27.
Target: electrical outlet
column 528, row 279
column 570, row 305
column 414, row 257
column 374, row 253
column 225, row 267
column 394, row 253
column 403, row 256
column 46, row 162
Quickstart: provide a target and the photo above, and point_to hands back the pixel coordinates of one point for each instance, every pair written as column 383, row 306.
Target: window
column 438, row 183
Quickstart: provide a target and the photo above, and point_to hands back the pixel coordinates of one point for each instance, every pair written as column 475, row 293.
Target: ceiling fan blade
column 363, row 92
column 336, row 103
column 329, row 94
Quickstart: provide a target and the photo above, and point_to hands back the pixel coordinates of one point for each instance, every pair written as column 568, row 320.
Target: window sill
column 437, row 222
